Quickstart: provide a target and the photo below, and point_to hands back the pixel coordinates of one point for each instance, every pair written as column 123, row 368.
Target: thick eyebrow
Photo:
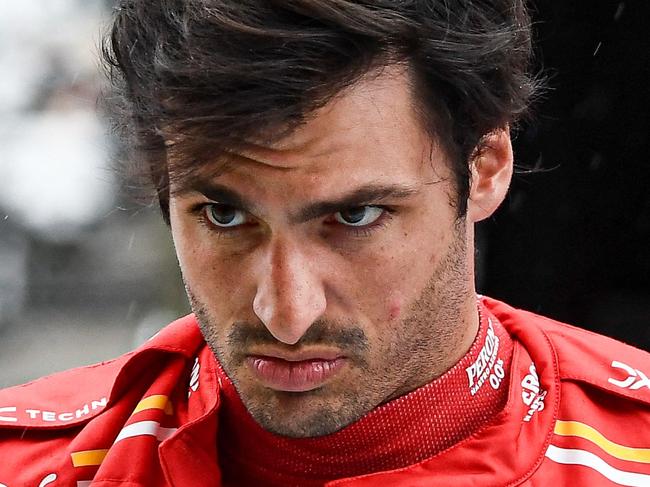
column 222, row 194
column 365, row 195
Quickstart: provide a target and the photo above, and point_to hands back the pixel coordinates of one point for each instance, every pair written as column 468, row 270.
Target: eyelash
column 199, row 213
column 366, row 231
column 356, row 232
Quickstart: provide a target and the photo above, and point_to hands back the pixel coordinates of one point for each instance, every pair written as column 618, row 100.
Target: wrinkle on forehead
column 365, row 110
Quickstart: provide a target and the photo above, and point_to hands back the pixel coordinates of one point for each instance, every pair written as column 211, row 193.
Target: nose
column 290, row 295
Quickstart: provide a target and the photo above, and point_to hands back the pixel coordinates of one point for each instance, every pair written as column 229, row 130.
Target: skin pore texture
column 339, row 242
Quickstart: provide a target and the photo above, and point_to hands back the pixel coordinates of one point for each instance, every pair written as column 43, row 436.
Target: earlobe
column 491, row 169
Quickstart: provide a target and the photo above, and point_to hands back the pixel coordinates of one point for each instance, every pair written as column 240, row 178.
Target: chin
column 300, row 414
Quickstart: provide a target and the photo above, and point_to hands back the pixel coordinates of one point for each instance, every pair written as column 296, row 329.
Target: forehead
column 379, row 106
column 370, row 133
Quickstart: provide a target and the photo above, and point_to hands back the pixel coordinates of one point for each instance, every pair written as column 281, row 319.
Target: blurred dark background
column 572, row 239
column 86, row 274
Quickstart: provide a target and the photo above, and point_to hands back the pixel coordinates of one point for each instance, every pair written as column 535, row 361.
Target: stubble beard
column 415, row 354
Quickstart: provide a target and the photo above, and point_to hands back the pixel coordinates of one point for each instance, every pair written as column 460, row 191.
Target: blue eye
column 359, row 216
column 224, row 215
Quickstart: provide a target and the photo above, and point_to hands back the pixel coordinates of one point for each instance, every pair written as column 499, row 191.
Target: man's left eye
column 359, row 216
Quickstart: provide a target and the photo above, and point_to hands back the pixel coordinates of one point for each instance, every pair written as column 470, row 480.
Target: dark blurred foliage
column 571, row 241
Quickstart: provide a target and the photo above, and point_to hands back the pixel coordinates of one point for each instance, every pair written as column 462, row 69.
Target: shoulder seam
column 74, row 369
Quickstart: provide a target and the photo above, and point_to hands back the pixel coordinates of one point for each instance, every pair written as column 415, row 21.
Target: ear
column 491, row 168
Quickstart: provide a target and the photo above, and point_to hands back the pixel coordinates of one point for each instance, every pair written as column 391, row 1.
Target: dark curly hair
column 195, row 78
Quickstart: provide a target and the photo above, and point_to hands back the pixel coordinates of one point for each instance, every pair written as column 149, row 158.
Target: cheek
column 183, row 238
column 203, row 271
column 382, row 283
column 394, row 309
column 196, row 253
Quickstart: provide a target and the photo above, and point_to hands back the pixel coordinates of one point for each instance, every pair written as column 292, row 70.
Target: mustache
column 350, row 338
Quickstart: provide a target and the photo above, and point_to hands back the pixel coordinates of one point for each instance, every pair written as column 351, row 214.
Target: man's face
column 329, row 272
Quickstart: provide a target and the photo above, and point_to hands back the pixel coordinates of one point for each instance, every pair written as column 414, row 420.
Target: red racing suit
column 578, row 413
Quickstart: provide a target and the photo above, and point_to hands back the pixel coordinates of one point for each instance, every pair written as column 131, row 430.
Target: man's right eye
column 224, row 216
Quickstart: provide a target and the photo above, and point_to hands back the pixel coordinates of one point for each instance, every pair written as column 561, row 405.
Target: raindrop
column 596, row 161
column 131, row 240
column 130, row 312
column 597, row 48
column 619, row 11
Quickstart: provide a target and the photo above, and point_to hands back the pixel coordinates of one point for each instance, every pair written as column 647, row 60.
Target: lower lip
column 300, row 376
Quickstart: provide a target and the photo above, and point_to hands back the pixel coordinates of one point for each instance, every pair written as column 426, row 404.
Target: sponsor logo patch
column 194, row 377
column 635, row 379
column 531, row 393
column 9, row 414
column 487, row 367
